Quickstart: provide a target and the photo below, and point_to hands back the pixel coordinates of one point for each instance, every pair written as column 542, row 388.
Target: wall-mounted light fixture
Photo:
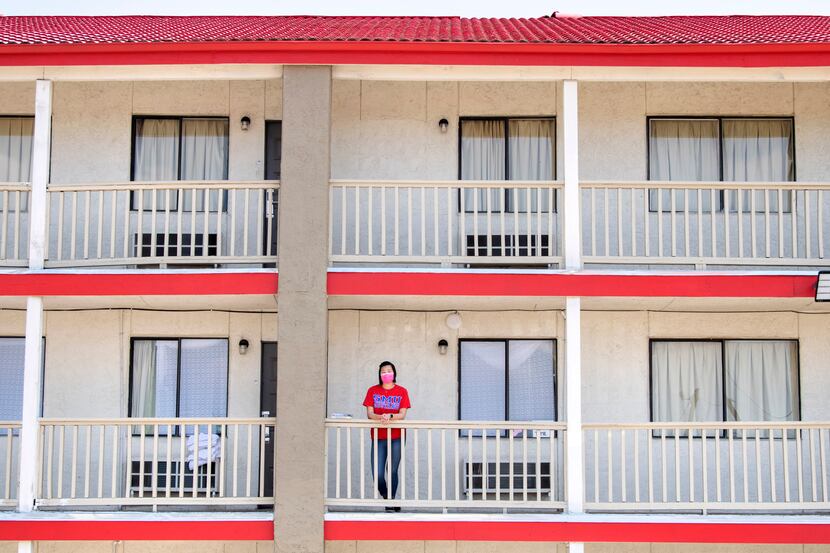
column 245, row 123
column 443, row 124
column 442, row 346
column 454, row 320
column 243, row 346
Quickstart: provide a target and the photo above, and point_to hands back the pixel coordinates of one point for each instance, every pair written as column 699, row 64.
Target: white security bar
column 14, row 224
column 734, row 467
column 477, row 222
column 154, row 461
column 9, row 462
column 462, row 465
column 181, row 222
column 699, row 223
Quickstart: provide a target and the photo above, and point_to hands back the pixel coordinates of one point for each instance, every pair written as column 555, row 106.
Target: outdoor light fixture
column 443, row 124
column 442, row 346
column 454, row 320
column 245, row 122
column 823, row 286
column 243, row 346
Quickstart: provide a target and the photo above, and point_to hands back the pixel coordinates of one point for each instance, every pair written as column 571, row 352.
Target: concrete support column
column 40, row 173
column 575, row 485
column 303, row 310
column 570, row 123
column 32, row 361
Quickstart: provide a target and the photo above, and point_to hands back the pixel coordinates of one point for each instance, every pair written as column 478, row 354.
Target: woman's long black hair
column 394, row 371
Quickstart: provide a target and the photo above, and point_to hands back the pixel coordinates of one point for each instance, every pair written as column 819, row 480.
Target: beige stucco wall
column 92, row 121
column 88, row 354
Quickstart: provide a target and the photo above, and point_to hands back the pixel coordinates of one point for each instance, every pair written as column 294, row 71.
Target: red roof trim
column 613, row 532
column 425, row 53
column 132, row 284
column 587, row 285
column 92, row 530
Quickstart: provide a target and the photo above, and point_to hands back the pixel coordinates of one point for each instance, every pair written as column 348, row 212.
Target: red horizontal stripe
column 59, row 530
column 490, row 284
column 617, row 532
column 132, row 284
column 422, row 53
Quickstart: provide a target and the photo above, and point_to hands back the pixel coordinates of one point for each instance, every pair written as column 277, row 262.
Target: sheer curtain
column 11, row 376
column 761, row 381
column 686, row 381
column 758, row 150
column 531, row 380
column 530, row 145
column 482, row 158
column 204, row 156
column 16, row 153
column 204, row 379
column 154, row 379
column 144, row 378
column 682, row 150
column 156, row 157
column 482, row 382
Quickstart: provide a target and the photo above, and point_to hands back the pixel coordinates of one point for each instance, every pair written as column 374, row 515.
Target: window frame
column 722, row 342
column 505, row 119
column 180, row 119
column 178, row 339
column 506, row 341
column 720, row 196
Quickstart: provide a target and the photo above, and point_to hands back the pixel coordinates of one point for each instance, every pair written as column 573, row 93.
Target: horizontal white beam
column 203, row 72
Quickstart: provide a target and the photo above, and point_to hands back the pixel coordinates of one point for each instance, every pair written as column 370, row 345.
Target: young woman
column 386, row 402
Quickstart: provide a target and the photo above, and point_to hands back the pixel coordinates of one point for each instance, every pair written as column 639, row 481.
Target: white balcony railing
column 181, row 222
column 14, row 224
column 154, row 461
column 707, row 466
column 724, row 223
column 461, row 465
column 493, row 222
column 9, row 462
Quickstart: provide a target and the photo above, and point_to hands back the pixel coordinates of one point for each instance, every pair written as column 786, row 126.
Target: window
column 11, row 378
column 16, row 155
column 724, row 380
column 758, row 149
column 506, row 149
column 507, row 380
column 179, row 148
column 184, row 377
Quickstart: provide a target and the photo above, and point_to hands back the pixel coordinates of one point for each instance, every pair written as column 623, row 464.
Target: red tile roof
column 542, row 30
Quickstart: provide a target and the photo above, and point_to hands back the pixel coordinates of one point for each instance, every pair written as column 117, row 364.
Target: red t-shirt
column 384, row 401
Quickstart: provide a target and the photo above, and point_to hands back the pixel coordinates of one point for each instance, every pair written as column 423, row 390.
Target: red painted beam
column 613, row 285
column 90, row 530
column 421, row 53
column 616, row 532
column 137, row 284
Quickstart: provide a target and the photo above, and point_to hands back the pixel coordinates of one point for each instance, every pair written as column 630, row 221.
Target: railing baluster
column 423, row 218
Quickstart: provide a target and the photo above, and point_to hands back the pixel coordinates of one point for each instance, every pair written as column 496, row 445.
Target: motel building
column 592, row 246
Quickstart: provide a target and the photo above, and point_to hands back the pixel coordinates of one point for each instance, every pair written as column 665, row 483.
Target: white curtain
column 204, row 157
column 482, row 158
column 531, row 380
column 761, row 381
column 482, row 383
column 682, row 150
column 156, row 158
column 758, row 150
column 16, row 154
column 11, row 379
column 530, row 145
column 144, row 378
column 686, row 381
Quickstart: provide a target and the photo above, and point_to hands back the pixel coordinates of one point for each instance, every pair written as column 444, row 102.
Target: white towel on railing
column 208, row 450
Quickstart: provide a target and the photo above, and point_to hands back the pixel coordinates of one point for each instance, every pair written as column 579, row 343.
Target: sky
column 465, row 8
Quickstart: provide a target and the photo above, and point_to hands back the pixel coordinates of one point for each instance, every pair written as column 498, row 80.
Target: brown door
column 268, row 407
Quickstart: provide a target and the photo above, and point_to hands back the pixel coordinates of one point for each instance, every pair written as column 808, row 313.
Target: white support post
column 25, row 547
column 575, row 484
column 40, row 173
column 32, row 363
column 571, row 211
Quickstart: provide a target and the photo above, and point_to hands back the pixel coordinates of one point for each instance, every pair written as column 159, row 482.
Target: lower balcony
column 649, row 467
column 215, row 463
